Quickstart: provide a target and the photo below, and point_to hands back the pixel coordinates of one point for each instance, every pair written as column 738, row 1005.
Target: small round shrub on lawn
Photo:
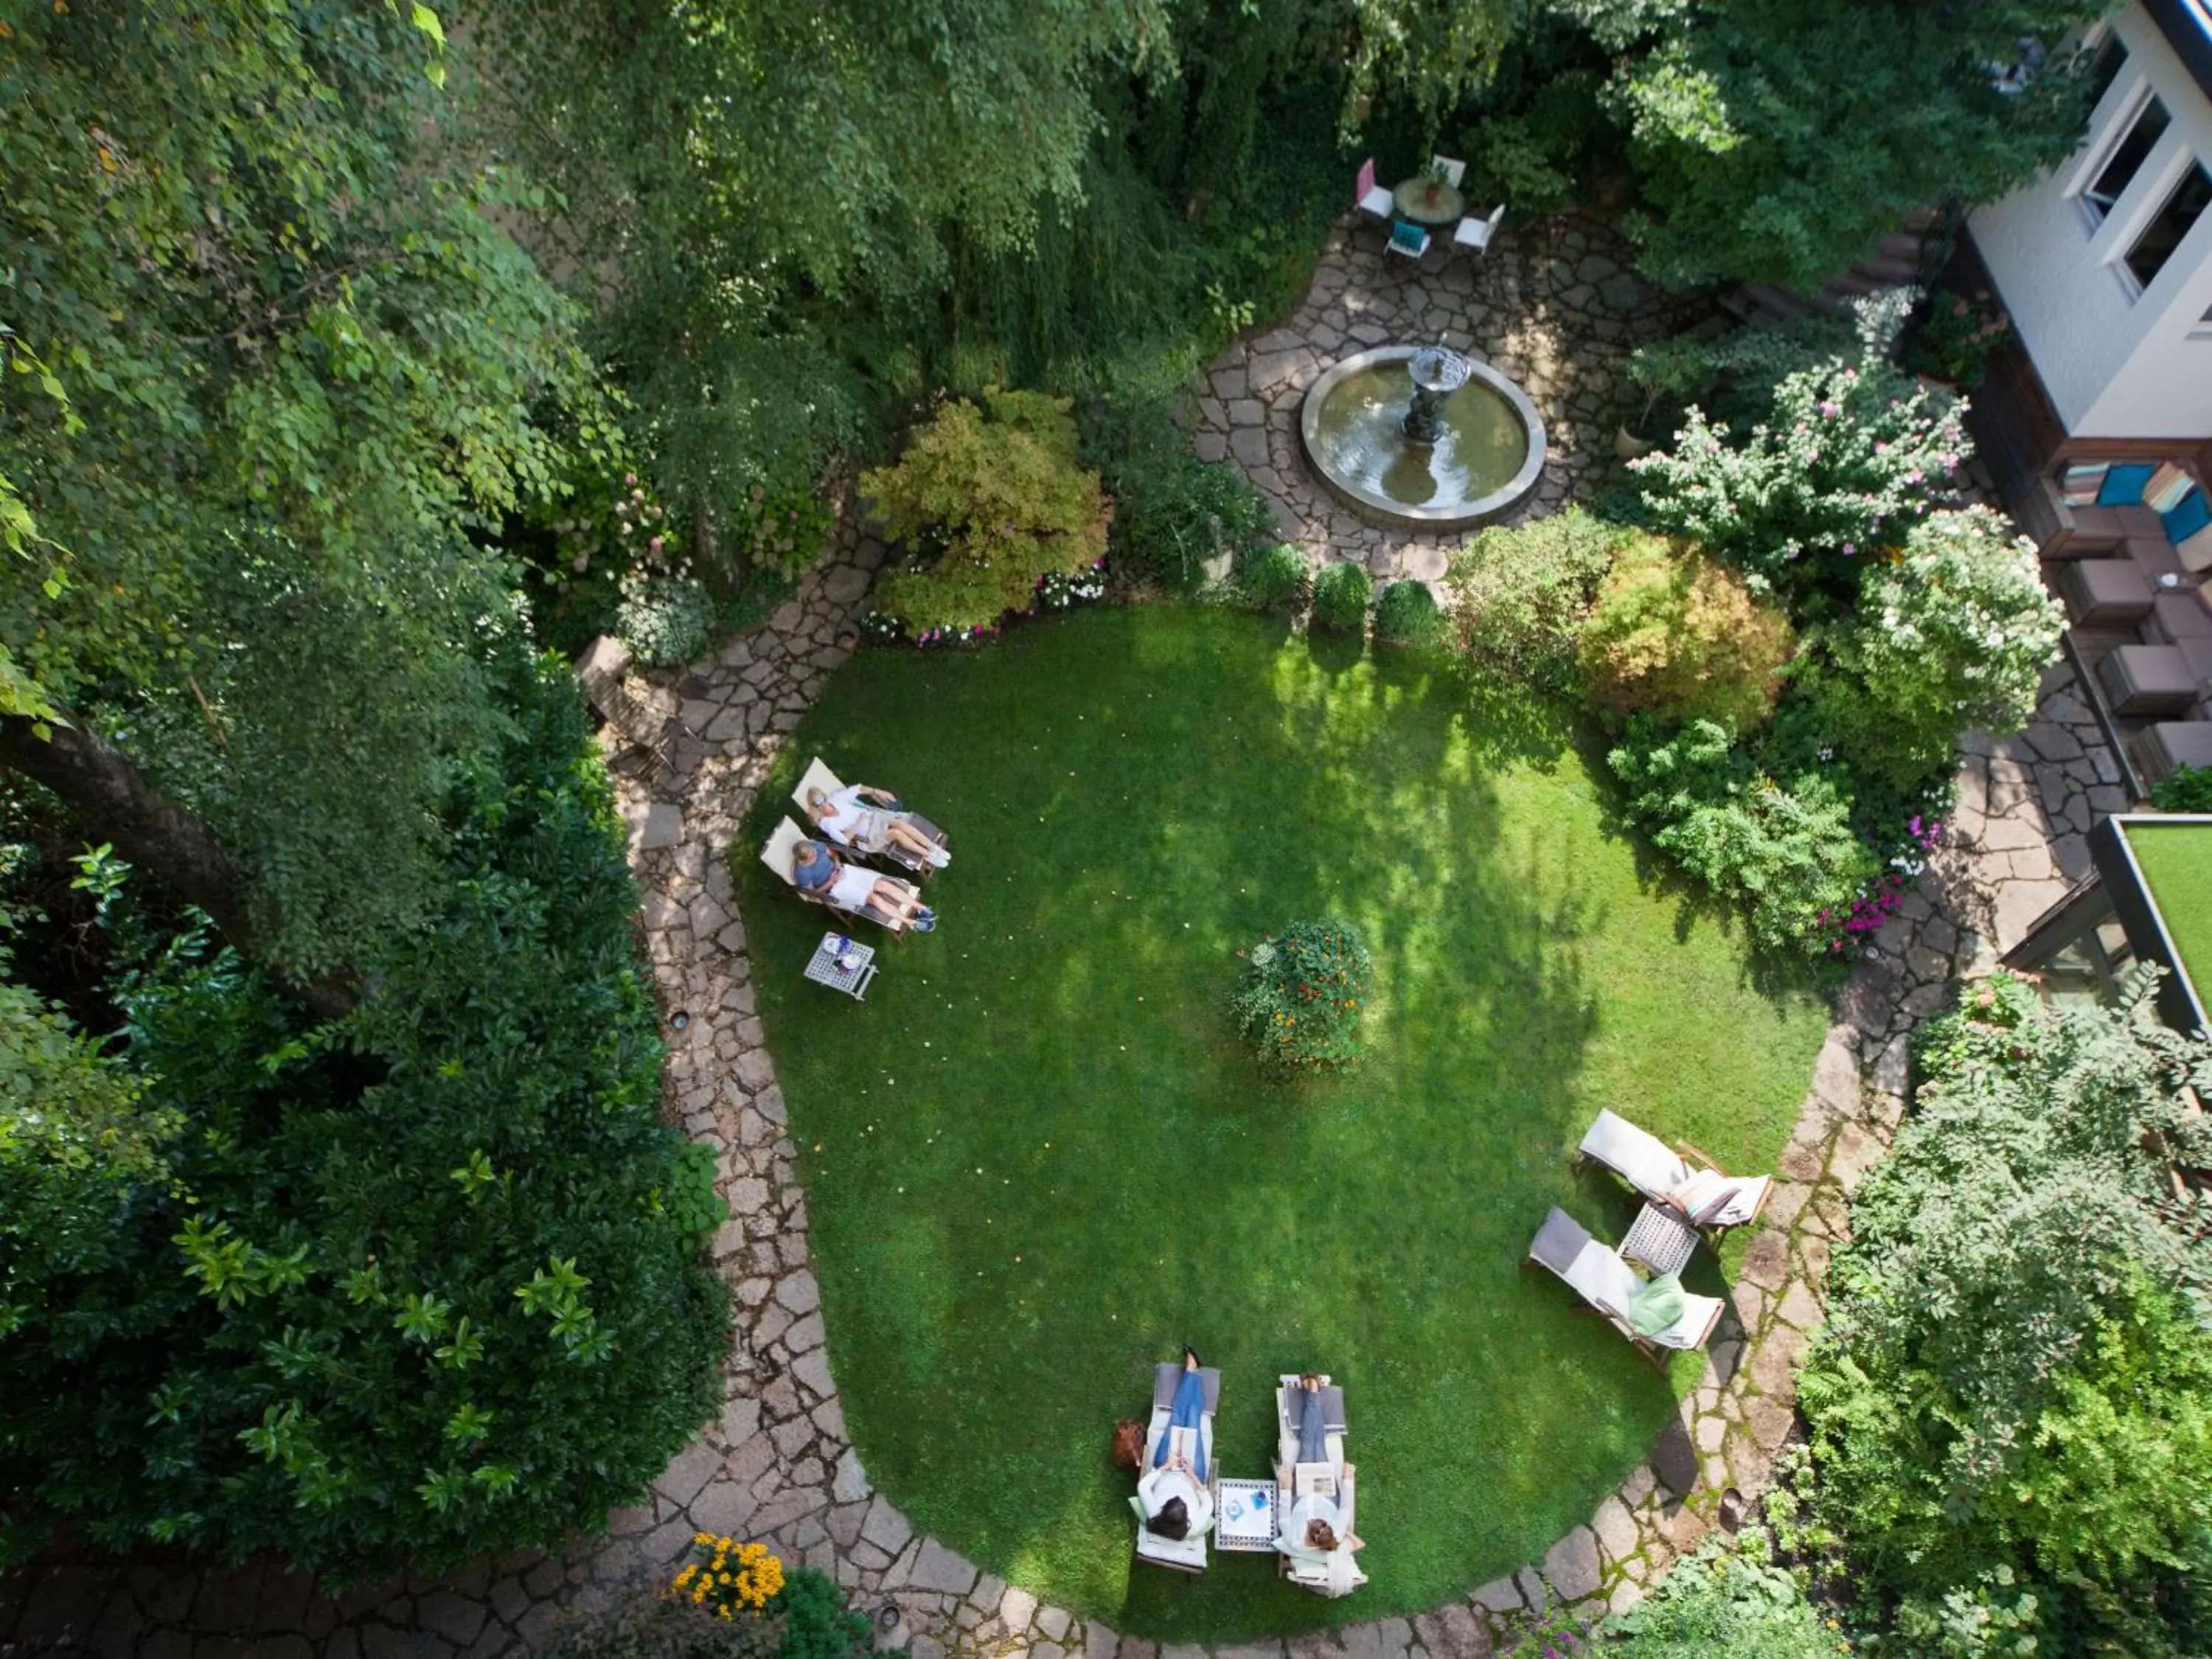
column 1304, row 989
column 1342, row 594
column 1272, row 577
column 1407, row 614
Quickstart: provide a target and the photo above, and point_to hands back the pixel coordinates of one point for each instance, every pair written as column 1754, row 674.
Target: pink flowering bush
column 1852, row 458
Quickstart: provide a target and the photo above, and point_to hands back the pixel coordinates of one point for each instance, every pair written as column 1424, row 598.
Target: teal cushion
column 1405, row 235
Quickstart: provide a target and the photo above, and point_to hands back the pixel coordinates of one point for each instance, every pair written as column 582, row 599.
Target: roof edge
column 2187, row 27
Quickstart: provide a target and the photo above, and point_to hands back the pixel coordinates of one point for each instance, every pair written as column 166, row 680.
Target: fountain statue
column 1437, row 371
column 1422, row 437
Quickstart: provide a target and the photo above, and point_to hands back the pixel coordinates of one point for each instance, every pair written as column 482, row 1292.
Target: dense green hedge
column 420, row 1283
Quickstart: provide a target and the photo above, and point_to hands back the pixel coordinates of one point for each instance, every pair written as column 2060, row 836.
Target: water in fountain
column 1424, row 437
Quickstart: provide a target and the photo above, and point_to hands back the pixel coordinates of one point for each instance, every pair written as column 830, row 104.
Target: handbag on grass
column 1128, row 1450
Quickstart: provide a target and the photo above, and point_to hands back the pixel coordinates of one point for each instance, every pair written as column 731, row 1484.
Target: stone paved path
column 777, row 1465
column 1554, row 305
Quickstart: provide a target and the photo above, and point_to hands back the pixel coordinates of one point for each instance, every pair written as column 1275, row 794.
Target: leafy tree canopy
column 1778, row 139
column 300, row 360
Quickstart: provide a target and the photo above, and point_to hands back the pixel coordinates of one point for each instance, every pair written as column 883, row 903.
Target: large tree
column 302, row 361
column 1778, row 139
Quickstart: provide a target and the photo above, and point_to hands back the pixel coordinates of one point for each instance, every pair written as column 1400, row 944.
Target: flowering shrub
column 729, row 1578
column 667, row 616
column 1678, row 635
column 1851, row 457
column 1877, row 902
column 1060, row 590
column 1300, row 1003
column 1056, row 590
column 1557, row 1634
column 1951, row 632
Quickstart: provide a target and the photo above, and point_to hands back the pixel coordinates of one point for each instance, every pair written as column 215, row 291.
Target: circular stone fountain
column 1422, row 437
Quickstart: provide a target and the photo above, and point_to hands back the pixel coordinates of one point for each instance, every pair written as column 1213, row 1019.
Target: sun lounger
column 1335, row 1573
column 1598, row 1275
column 819, row 776
column 777, row 855
column 1699, row 1192
column 1183, row 1554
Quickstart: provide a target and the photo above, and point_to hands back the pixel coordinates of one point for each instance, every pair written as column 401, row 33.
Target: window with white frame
column 2126, row 159
column 2184, row 206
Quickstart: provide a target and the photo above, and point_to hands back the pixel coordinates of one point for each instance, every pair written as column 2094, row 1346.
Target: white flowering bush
column 1851, row 459
column 667, row 616
column 1952, row 632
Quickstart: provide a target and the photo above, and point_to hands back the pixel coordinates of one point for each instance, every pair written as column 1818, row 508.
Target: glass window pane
column 2119, row 169
column 2105, row 68
column 2173, row 221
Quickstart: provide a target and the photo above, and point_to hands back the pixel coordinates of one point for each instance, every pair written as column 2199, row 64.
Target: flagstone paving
column 776, row 1464
column 1556, row 307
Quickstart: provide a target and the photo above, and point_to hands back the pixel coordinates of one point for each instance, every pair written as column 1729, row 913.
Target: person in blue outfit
column 815, row 868
column 1187, row 1411
column 1175, row 1495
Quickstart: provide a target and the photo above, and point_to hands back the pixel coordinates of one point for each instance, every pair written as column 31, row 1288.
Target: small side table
column 853, row 980
column 1661, row 1239
column 1244, row 1516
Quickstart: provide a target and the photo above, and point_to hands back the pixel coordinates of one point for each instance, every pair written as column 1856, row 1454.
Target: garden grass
column 2176, row 860
column 1037, row 1160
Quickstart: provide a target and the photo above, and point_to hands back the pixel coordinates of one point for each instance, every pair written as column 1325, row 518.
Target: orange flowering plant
column 1299, row 1002
column 728, row 1578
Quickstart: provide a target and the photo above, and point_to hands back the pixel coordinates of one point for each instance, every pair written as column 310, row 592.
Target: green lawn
column 1038, row 1160
column 2176, row 860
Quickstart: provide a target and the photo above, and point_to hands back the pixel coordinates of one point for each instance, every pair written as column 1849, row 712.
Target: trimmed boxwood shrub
column 1342, row 594
column 1407, row 614
column 1272, row 577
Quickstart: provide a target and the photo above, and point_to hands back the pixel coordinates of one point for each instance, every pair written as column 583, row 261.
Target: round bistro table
column 1413, row 202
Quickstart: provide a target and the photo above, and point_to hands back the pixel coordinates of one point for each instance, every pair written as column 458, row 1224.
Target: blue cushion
column 1407, row 235
column 2124, row 485
column 2189, row 515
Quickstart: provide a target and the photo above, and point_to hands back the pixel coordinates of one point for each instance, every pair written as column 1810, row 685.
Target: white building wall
column 2116, row 363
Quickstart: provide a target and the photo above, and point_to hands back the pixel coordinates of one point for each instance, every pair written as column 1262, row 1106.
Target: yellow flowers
column 734, row 1577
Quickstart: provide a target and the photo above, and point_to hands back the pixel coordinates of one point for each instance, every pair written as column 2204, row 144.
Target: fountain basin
column 1484, row 462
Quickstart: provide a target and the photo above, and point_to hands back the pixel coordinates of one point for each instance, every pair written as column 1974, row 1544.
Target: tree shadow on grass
column 1038, row 1160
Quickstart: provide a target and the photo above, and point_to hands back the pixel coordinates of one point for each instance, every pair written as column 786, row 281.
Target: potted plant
column 1664, row 368
column 1432, row 181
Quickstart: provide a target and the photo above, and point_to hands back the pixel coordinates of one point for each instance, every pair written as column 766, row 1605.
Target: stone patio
column 777, row 1465
column 1555, row 305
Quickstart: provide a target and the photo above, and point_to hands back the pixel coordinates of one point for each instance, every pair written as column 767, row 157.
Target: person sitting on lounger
column 817, row 869
column 881, row 828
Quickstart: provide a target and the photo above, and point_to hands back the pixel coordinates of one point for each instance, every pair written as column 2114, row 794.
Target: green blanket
column 1657, row 1306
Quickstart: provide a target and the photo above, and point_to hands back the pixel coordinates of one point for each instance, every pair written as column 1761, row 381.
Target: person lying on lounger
column 1174, row 1491
column 881, row 828
column 817, row 869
